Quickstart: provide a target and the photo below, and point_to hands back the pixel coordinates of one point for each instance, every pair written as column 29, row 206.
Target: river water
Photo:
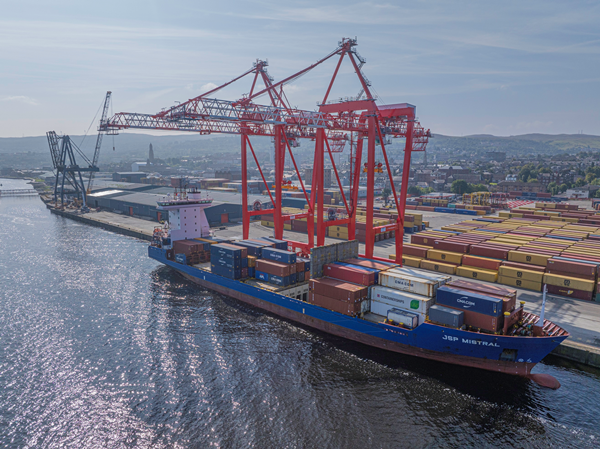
column 102, row 347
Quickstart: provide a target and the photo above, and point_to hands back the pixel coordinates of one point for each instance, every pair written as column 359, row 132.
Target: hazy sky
column 497, row 67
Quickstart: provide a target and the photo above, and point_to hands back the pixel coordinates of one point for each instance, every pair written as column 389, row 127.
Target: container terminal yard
column 391, row 278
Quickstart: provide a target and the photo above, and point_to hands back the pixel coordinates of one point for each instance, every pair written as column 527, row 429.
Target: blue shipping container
column 224, row 251
column 254, row 249
column 306, row 263
column 180, row 258
column 464, row 300
column 244, row 262
column 279, row 244
column 231, row 273
column 226, row 262
column 261, row 275
column 279, row 255
column 279, row 280
column 251, row 272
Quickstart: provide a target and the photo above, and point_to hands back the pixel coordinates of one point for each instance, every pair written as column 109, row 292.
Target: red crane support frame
column 331, row 123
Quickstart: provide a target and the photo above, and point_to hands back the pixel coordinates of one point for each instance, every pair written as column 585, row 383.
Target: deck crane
column 359, row 116
column 99, row 140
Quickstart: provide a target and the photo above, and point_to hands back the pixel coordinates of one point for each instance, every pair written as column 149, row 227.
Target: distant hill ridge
column 136, row 145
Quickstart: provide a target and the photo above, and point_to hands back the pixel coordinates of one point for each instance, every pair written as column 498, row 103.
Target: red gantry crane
column 329, row 127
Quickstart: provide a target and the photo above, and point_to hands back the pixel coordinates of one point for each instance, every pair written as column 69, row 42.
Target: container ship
column 376, row 303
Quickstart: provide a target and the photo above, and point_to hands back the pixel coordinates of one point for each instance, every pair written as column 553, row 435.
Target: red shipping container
column 416, row 251
column 244, row 273
column 455, row 247
column 566, row 266
column 493, row 252
column 351, row 308
column 275, row 268
column 355, row 275
column 481, row 321
column 570, row 292
column 573, row 275
column 524, row 266
column 425, row 240
column 338, row 289
column 570, row 255
column 482, row 262
column 546, row 252
column 300, row 267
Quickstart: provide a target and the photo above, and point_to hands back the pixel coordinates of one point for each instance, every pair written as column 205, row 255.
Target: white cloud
column 21, row 99
column 208, row 86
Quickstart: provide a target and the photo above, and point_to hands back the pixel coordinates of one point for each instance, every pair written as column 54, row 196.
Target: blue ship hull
column 427, row 340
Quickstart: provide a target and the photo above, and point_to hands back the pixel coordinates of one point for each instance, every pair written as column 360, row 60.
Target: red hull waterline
column 514, row 368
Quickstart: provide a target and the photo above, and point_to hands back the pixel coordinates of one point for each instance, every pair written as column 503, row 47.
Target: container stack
column 403, row 293
column 191, row 252
column 516, row 248
column 480, row 312
column 339, row 296
column 277, row 266
column 228, row 260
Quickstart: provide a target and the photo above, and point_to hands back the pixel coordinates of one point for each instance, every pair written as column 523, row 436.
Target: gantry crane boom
column 328, row 127
column 99, row 139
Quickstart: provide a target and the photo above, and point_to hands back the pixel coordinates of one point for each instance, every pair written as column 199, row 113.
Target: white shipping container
column 441, row 279
column 403, row 282
column 409, row 319
column 382, row 308
column 399, row 299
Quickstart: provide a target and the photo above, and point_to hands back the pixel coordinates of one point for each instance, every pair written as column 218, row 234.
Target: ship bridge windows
column 508, row 355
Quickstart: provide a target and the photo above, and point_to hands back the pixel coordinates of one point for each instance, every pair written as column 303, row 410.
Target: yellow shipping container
column 287, row 226
column 518, row 273
column 269, row 224
column 530, row 258
column 408, row 261
column 437, row 266
column 251, row 261
column 565, row 219
column 477, row 273
column 520, row 283
column 445, row 256
column 564, row 281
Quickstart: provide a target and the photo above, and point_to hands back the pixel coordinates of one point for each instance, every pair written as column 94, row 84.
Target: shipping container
column 338, row 289
column 275, row 268
column 467, row 300
column 518, row 273
column 445, row 256
column 409, row 261
column 569, row 282
column 482, row 262
column 438, row 266
column 403, row 282
column 481, row 321
column 528, row 257
column 477, row 273
column 231, row 273
column 279, row 255
column 279, row 244
column 400, row 299
column 349, row 273
column 439, row 278
column 403, row 317
column 572, row 267
column 221, row 250
column 570, row 292
column 351, row 308
column 520, row 283
column 446, row 316
column 365, row 263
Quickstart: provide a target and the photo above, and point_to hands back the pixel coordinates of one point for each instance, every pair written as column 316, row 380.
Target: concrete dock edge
column 578, row 352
